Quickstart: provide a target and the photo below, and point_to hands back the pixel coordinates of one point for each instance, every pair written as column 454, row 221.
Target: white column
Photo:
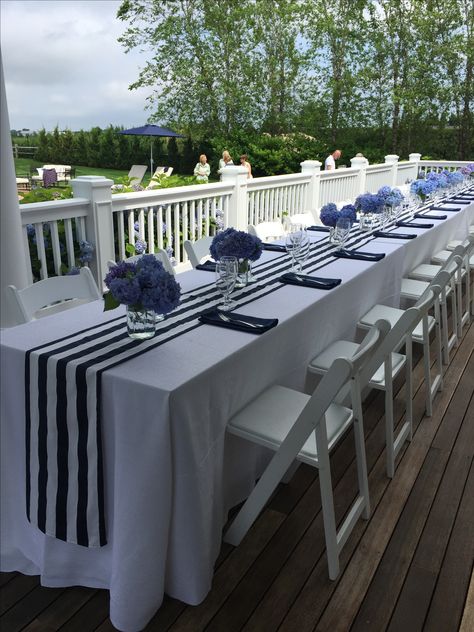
column 13, row 257
column 237, row 176
column 360, row 162
column 392, row 159
column 415, row 158
column 99, row 223
column 312, row 168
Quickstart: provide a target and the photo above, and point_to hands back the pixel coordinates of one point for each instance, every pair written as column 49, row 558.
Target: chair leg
column 426, row 363
column 389, row 418
column 409, row 383
column 444, row 329
column 360, row 448
column 329, row 519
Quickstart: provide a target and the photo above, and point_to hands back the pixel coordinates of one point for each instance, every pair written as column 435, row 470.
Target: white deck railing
column 167, row 217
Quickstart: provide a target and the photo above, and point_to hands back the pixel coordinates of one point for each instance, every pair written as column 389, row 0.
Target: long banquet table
column 170, row 471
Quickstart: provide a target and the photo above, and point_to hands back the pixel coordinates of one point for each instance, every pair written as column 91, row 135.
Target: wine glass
column 343, row 228
column 227, row 269
column 301, row 254
column 293, row 243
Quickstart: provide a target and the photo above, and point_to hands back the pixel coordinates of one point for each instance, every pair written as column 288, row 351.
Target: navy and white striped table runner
column 64, row 471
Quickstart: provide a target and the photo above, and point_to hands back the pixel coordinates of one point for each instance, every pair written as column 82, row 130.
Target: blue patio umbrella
column 151, row 130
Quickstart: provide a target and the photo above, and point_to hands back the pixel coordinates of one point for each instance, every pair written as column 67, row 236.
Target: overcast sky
column 63, row 65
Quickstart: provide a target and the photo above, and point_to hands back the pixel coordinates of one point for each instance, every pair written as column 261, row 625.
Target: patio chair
column 307, row 428
column 136, row 173
column 53, row 294
column 267, row 231
column 160, row 254
column 159, row 171
column 198, row 250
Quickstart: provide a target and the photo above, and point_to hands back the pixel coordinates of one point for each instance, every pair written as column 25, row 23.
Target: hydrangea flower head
column 329, row 214
column 369, row 203
column 349, row 211
column 236, row 243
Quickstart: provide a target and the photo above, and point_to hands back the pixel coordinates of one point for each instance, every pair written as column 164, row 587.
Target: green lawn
column 22, row 166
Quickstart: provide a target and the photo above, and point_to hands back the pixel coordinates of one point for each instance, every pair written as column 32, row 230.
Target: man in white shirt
column 330, row 162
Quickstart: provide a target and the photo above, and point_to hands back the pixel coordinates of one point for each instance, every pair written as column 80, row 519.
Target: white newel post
column 13, row 257
column 99, row 222
column 312, row 168
column 360, row 162
column 415, row 158
column 237, row 176
column 392, row 159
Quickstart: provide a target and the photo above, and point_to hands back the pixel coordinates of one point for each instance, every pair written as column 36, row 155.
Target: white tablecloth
column 171, row 473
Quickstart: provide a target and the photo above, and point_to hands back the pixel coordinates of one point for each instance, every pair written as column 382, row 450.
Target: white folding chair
column 463, row 275
column 267, row 231
column 53, row 294
column 305, row 219
column 384, row 367
column 198, row 250
column 307, row 427
column 160, row 254
column 419, row 279
column 420, row 334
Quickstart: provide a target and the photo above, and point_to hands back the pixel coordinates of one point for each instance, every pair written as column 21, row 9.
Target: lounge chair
column 159, row 171
column 136, row 173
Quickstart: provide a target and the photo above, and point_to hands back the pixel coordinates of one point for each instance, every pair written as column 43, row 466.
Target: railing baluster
column 56, row 247
column 69, row 243
column 121, row 236
column 176, row 245
column 151, row 229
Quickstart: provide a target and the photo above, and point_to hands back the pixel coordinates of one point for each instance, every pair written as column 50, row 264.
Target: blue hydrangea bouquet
column 237, row 243
column 146, row 289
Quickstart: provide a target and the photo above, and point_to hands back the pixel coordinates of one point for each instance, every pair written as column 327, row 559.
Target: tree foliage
column 399, row 71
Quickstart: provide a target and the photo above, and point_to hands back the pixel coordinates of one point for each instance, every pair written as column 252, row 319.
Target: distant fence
column 167, row 217
column 20, row 151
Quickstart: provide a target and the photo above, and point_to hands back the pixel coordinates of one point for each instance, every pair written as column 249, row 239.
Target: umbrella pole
column 151, row 157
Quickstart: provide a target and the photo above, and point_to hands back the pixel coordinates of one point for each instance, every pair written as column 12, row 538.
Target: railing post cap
column 233, row 171
column 359, row 162
column 414, row 157
column 310, row 164
column 94, row 181
column 391, row 158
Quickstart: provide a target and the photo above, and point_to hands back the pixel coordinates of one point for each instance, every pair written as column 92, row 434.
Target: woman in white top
column 224, row 161
column 245, row 163
column 202, row 170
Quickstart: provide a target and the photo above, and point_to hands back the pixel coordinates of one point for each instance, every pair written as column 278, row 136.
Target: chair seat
column 268, row 419
column 345, row 349
column 425, row 271
column 441, row 257
column 413, row 289
column 392, row 314
column 454, row 244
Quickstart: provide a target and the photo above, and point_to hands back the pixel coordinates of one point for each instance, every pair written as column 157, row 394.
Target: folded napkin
column 249, row 324
column 448, row 209
column 209, row 266
column 414, row 225
column 384, row 233
column 306, row 280
column 429, row 216
column 321, row 229
column 461, row 200
column 274, row 247
column 356, row 254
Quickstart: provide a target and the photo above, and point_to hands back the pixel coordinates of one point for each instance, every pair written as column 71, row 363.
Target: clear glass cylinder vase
column 140, row 323
column 243, row 274
column 366, row 221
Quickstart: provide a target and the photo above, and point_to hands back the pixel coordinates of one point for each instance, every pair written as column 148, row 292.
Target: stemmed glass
column 293, row 243
column 301, row 254
column 343, row 228
column 227, row 269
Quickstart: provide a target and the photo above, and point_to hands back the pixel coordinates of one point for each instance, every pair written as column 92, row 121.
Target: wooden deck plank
column 27, row 609
column 447, row 604
column 353, row 585
column 293, row 591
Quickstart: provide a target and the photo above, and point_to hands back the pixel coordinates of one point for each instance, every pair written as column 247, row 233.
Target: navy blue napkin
column 274, row 247
column 429, row 216
column 240, row 322
column 384, row 233
column 208, row 266
column 305, row 280
column 460, row 200
column 321, row 229
column 448, row 209
column 414, row 225
column 356, row 254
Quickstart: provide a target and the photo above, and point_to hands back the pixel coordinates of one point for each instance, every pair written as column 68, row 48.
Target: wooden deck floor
column 409, row 568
